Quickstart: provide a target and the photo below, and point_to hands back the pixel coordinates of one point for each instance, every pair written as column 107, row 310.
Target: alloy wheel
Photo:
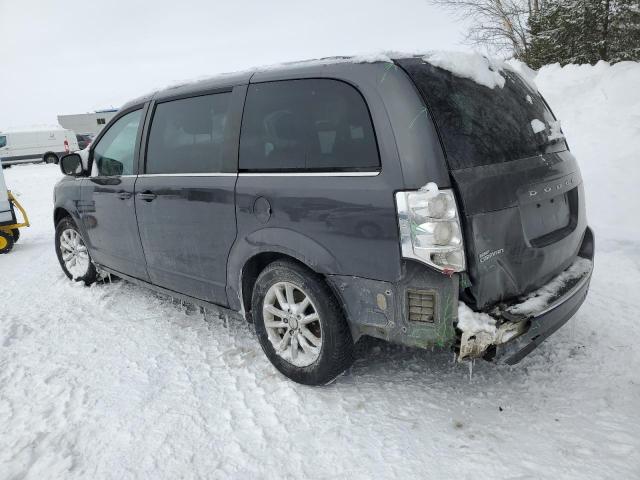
column 292, row 323
column 74, row 253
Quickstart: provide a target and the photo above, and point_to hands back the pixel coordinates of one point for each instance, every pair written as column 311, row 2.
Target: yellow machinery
column 9, row 224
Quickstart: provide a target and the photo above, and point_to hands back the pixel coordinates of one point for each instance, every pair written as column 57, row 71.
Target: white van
column 35, row 145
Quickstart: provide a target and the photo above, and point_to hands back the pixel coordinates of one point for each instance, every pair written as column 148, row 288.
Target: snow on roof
column 363, row 58
column 371, row 57
column 482, row 70
column 526, row 73
column 475, row 66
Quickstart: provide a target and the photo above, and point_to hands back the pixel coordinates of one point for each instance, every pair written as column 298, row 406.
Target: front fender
column 67, row 198
column 274, row 240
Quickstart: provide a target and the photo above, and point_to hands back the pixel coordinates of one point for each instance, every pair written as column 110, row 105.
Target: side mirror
column 71, row 164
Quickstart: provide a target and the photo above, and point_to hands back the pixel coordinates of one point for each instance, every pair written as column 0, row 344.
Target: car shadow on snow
column 381, row 362
column 378, row 361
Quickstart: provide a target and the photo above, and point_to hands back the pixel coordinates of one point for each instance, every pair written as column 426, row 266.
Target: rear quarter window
column 307, row 125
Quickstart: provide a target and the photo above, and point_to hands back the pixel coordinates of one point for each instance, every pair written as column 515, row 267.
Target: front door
column 107, row 207
column 185, row 199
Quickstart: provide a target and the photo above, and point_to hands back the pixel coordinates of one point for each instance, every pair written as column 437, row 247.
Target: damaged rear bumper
column 543, row 324
column 518, row 335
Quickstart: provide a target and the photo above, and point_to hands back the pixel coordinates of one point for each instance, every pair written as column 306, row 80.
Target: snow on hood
column 482, row 70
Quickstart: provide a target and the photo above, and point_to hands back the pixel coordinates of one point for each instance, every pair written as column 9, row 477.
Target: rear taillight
column 430, row 228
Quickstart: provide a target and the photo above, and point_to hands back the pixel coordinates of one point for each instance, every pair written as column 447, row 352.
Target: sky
column 72, row 56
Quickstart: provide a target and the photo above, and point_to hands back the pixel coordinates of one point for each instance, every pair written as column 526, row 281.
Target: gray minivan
column 334, row 199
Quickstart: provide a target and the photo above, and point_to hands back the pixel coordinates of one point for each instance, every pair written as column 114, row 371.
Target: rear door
column 185, row 198
column 519, row 187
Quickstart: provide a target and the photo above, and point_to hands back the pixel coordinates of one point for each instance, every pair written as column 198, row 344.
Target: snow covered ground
column 116, row 382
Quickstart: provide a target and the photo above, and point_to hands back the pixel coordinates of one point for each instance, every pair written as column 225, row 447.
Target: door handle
column 124, row 195
column 147, row 196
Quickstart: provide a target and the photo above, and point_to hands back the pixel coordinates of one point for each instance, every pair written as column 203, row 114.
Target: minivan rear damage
column 520, row 204
column 519, row 188
column 480, row 333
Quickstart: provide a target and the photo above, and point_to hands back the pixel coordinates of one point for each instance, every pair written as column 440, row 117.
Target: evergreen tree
column 624, row 31
column 584, row 31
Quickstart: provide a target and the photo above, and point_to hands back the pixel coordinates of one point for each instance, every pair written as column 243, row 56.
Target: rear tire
column 16, row 234
column 73, row 253
column 323, row 346
column 6, row 242
column 50, row 158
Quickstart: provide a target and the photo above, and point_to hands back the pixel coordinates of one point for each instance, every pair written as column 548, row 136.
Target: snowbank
column 599, row 107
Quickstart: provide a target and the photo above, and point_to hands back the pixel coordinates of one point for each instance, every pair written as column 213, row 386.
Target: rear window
column 482, row 126
column 308, row 125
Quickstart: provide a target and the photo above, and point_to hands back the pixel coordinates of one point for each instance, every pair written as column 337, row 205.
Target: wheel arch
column 59, row 213
column 266, row 245
column 251, row 254
column 252, row 269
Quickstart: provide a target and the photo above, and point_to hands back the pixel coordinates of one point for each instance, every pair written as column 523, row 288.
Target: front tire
column 299, row 324
column 50, row 158
column 73, row 253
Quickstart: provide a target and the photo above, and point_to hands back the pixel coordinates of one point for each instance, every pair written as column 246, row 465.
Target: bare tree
column 498, row 25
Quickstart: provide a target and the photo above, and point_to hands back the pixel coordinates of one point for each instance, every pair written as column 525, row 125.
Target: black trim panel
column 166, row 291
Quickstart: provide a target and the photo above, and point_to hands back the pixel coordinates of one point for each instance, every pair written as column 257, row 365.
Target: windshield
column 480, row 125
column 3, row 141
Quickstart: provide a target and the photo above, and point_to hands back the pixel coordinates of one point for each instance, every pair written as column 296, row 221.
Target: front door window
column 115, row 152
